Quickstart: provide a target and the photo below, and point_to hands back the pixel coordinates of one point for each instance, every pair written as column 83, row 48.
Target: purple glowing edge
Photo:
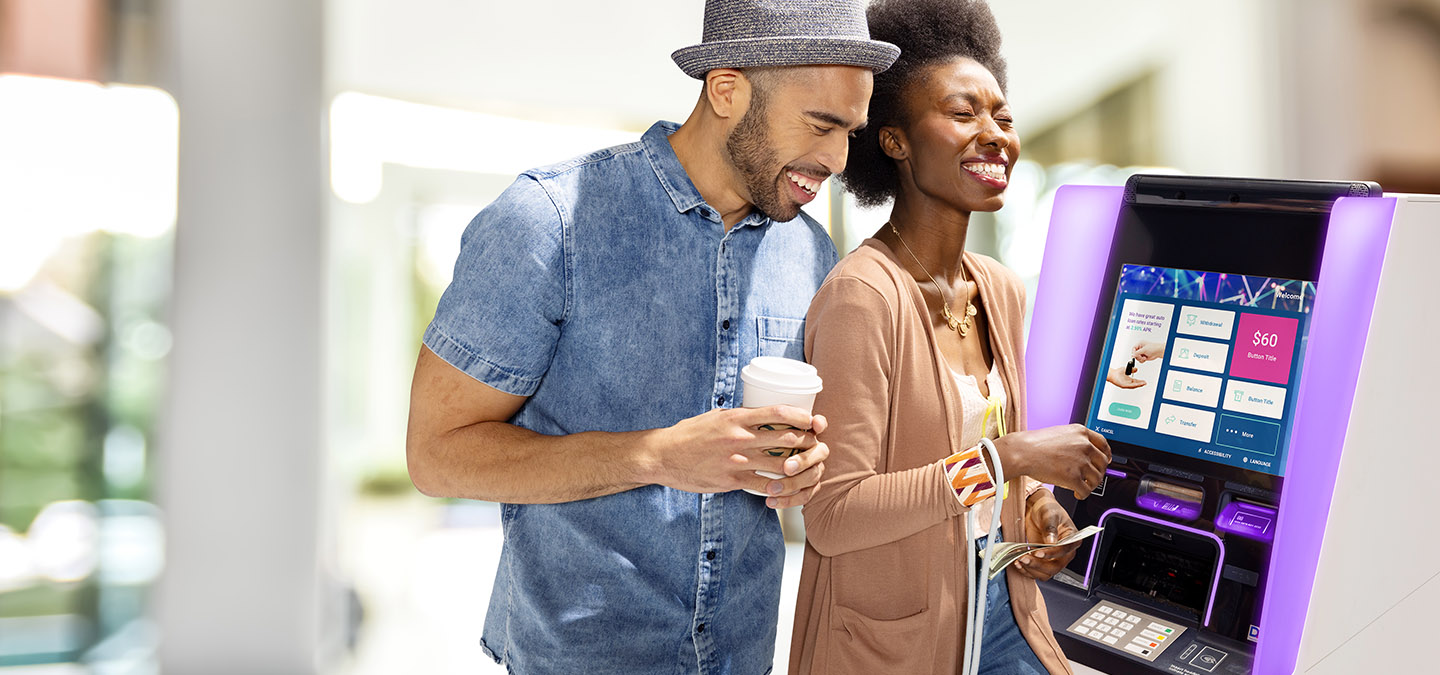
column 1339, row 323
column 1082, row 226
column 1219, row 561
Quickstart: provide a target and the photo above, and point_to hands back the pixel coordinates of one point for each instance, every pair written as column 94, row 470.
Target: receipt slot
column 1258, row 354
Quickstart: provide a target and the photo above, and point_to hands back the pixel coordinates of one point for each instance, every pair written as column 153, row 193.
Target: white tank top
column 972, row 414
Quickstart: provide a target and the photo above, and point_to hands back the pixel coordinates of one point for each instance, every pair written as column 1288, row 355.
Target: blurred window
column 87, row 209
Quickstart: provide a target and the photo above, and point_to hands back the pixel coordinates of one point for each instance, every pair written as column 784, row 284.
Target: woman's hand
column 1070, row 456
column 1117, row 377
column 1046, row 522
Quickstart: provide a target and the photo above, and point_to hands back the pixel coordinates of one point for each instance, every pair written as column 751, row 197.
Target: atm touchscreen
column 1203, row 364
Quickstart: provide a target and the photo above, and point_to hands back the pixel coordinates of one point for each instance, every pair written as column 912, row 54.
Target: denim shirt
column 607, row 291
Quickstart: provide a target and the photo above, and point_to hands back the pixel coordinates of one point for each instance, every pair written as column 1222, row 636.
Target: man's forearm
column 500, row 462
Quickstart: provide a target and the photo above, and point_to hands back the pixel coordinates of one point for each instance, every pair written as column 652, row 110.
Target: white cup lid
column 782, row 375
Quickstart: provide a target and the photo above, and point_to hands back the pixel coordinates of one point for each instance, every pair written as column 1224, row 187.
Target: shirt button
column 700, row 628
column 709, row 555
column 725, row 324
column 719, row 400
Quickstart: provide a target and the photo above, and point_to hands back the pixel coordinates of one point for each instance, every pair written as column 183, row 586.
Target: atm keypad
column 1139, row 635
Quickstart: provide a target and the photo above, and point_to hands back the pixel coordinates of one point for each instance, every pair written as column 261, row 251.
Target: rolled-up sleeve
column 500, row 318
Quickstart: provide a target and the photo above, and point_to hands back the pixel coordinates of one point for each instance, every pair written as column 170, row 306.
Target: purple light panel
column 1247, row 520
column 1219, row 561
column 1349, row 278
column 1082, row 225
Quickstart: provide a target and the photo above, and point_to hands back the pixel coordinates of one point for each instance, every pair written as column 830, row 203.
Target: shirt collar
column 668, row 169
column 676, row 181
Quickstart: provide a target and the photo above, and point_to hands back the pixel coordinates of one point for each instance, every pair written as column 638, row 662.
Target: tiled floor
column 426, row 587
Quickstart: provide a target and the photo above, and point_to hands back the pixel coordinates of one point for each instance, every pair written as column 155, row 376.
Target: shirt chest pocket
column 780, row 336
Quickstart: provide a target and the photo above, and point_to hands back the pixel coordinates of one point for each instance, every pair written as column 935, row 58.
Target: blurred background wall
column 224, row 224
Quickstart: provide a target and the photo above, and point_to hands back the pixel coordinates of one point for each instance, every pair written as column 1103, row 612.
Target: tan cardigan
column 882, row 589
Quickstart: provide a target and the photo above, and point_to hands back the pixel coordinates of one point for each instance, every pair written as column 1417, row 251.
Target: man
column 583, row 366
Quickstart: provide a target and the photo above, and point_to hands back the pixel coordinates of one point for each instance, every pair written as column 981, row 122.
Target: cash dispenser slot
column 1164, row 566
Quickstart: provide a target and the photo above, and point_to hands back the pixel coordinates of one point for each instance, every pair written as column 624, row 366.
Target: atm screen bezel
column 1281, row 235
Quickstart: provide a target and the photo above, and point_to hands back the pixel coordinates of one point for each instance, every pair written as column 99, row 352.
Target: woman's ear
column 894, row 144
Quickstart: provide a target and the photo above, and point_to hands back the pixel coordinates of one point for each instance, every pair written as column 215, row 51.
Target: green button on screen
column 1125, row 410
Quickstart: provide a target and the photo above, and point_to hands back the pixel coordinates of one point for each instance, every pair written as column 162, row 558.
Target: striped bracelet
column 968, row 477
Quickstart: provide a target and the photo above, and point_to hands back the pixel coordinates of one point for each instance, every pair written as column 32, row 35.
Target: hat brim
column 785, row 51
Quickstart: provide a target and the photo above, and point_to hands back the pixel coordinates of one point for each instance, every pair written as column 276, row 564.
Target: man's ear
column 727, row 91
column 894, row 143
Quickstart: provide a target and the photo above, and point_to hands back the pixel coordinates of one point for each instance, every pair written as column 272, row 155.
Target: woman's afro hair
column 928, row 32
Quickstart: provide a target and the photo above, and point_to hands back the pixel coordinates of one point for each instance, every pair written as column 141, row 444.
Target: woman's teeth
column 995, row 171
column 806, row 184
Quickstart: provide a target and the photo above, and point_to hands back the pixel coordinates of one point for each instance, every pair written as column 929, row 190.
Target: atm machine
column 1261, row 356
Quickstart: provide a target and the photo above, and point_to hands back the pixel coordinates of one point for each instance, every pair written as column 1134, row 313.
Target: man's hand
column 1070, row 456
column 1147, row 351
column 461, row 444
column 721, row 450
column 1046, row 522
column 1117, row 377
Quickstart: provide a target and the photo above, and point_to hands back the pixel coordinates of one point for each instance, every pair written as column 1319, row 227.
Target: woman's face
column 959, row 138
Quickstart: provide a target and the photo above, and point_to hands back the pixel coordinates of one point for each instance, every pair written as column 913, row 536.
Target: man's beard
column 753, row 158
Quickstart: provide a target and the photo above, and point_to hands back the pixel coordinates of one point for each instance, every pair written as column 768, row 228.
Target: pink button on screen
column 1264, row 346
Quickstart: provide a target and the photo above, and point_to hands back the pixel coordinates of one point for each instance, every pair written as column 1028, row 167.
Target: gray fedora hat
column 748, row 33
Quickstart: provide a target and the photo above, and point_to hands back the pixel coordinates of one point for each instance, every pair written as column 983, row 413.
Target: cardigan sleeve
column 850, row 338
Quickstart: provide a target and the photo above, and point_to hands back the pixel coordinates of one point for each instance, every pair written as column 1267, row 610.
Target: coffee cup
column 774, row 380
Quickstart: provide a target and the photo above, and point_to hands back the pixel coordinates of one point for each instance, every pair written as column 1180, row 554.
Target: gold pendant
column 961, row 325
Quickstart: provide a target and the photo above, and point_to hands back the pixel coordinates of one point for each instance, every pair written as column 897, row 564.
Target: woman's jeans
column 1003, row 650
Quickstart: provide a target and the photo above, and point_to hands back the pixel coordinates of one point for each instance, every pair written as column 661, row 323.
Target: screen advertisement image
column 1203, row 364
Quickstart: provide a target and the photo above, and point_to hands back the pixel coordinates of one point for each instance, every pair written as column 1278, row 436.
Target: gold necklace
column 961, row 325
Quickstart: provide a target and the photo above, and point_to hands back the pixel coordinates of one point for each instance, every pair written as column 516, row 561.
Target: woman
column 915, row 339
